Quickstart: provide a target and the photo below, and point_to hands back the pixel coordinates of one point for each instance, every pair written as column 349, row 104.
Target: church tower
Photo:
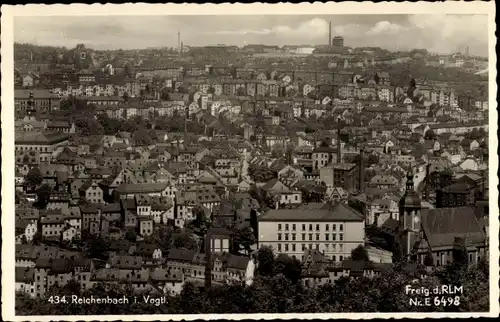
column 30, row 108
column 409, row 217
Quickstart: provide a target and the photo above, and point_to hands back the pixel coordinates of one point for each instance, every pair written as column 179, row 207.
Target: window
column 293, row 227
column 296, row 198
column 341, row 237
column 334, row 258
column 334, row 227
column 341, row 258
column 341, row 227
column 279, row 236
column 317, row 246
column 303, row 236
column 317, row 226
column 279, row 247
column 317, row 236
column 279, row 226
column 293, row 236
column 293, row 247
column 286, row 236
column 327, row 226
column 310, row 246
column 286, row 247
column 310, row 236
column 326, row 236
column 334, row 236
column 286, row 226
column 310, row 227
column 303, row 226
column 303, row 248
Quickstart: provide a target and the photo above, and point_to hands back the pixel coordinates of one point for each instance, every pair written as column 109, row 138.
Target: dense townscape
column 249, row 179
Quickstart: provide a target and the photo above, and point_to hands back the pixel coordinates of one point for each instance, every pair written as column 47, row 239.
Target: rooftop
column 314, row 212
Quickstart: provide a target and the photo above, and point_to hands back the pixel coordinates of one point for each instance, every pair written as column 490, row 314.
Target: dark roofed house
column 441, row 226
column 130, row 190
column 180, row 256
column 126, row 262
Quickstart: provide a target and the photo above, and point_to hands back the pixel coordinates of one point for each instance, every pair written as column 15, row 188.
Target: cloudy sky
column 437, row 33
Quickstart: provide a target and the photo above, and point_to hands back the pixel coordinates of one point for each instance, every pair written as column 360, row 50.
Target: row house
column 40, row 101
column 194, row 70
column 85, row 76
column 42, row 143
column 385, row 94
column 130, row 190
column 103, row 100
column 444, row 98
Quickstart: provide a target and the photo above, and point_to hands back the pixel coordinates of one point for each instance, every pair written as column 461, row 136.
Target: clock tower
column 409, row 217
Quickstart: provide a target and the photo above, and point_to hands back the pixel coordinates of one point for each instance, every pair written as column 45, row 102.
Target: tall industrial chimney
column 330, row 34
column 339, row 145
column 182, row 47
column 208, row 258
column 179, row 41
column 361, row 170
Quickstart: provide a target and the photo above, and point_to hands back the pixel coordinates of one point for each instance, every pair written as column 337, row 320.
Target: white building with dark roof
column 333, row 229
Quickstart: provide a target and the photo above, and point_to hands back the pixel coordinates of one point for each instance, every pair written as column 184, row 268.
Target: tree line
column 277, row 288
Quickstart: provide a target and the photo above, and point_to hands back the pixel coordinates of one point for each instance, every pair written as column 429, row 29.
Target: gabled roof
column 442, row 225
column 314, row 212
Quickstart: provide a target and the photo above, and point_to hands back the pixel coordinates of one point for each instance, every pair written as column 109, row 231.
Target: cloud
column 313, row 28
column 385, row 28
column 437, row 33
column 445, row 33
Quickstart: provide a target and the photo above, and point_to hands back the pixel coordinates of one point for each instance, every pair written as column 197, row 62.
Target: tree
column 360, row 254
column 261, row 173
column 97, row 248
column 126, row 96
column 243, row 237
column 88, row 125
column 43, row 195
column 185, row 241
column 372, row 159
column 289, row 267
column 109, row 125
column 265, row 261
column 309, row 129
column 460, row 255
column 34, row 178
column 199, row 224
column 430, row 135
column 131, row 236
column 129, row 70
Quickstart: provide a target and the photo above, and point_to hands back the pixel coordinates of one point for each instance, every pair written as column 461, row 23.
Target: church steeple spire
column 410, row 187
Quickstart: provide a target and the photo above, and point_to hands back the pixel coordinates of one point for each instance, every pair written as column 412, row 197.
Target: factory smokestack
column 330, row 33
column 179, row 42
column 361, row 170
column 182, row 48
column 339, row 145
